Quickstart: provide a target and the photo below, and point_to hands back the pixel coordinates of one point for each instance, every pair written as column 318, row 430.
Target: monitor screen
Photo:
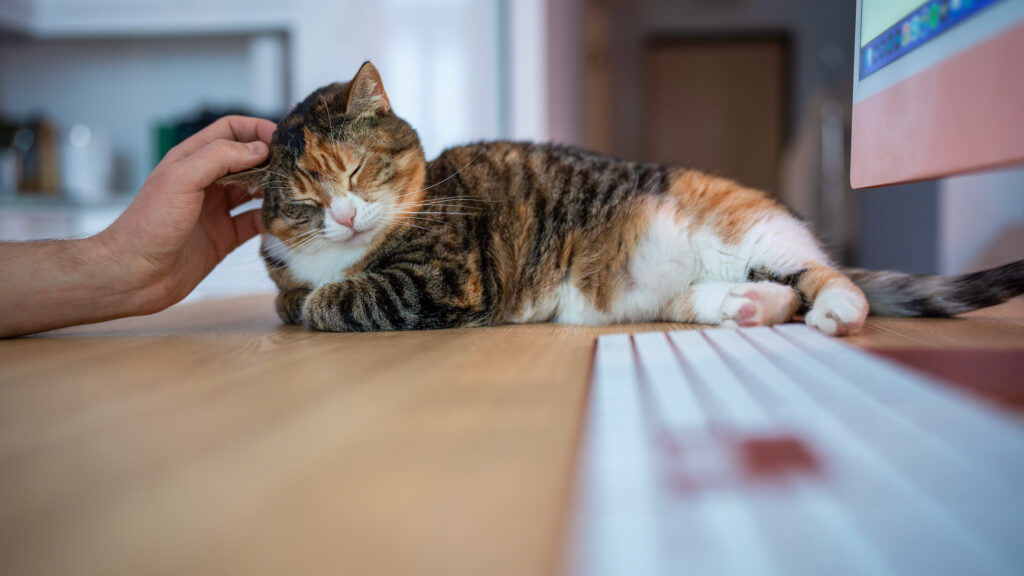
column 938, row 86
column 890, row 29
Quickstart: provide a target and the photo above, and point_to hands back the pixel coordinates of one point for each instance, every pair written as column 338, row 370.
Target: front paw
column 290, row 305
column 838, row 311
column 319, row 311
column 758, row 304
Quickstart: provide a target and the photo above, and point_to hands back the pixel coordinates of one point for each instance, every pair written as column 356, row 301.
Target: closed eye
column 301, row 210
column 352, row 178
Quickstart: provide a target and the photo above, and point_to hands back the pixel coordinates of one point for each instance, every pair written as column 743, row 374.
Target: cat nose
column 343, row 211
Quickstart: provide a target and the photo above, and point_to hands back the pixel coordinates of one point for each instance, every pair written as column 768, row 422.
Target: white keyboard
column 780, row 451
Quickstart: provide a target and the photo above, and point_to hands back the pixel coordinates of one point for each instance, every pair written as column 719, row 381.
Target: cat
column 363, row 234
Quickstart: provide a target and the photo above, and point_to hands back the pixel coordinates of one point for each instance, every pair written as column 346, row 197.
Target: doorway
column 717, row 104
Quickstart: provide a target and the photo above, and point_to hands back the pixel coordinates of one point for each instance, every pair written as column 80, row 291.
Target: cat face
column 343, row 168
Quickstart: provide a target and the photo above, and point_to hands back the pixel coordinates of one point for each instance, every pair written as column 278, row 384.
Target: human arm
column 170, row 237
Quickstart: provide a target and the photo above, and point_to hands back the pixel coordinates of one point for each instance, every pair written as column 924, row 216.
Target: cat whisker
column 439, row 201
column 309, row 242
column 437, row 207
column 300, row 240
column 411, row 192
column 427, row 212
column 451, row 175
column 460, row 198
column 308, row 234
column 415, row 226
column 269, row 171
column 449, row 224
column 443, row 201
column 296, row 244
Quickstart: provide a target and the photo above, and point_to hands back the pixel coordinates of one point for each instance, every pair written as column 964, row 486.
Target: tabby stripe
column 360, row 309
column 539, row 244
column 402, row 287
column 487, row 274
column 384, row 309
column 345, row 308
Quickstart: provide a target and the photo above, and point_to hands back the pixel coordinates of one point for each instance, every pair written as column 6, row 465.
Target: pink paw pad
column 758, row 305
column 746, row 315
column 746, row 312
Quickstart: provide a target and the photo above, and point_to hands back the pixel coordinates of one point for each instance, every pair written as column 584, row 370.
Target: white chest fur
column 326, row 264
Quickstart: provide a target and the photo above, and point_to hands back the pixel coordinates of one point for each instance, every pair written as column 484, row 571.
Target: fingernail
column 257, row 147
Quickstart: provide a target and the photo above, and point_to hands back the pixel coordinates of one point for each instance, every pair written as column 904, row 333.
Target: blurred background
column 93, row 92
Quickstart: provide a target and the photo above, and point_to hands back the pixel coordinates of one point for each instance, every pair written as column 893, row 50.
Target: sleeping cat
column 365, row 235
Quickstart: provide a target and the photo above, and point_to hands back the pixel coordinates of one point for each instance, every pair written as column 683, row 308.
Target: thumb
column 218, row 158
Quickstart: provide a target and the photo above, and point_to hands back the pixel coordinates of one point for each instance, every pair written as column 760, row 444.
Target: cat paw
column 316, row 311
column 289, row 305
column 758, row 304
column 838, row 311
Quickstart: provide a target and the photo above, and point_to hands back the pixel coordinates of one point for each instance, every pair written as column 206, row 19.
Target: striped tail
column 898, row 294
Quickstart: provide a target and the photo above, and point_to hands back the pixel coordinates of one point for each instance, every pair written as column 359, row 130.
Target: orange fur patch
column 411, row 173
column 725, row 206
column 818, row 277
column 328, row 160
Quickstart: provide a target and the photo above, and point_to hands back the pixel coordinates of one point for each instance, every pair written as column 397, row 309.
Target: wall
column 563, row 69
column 947, row 226
column 822, row 33
column 975, row 211
column 899, row 228
column 123, row 87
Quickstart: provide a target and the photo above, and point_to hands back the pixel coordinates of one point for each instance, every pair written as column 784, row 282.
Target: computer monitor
column 938, row 89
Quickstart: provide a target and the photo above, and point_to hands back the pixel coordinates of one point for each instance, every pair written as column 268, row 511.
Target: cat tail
column 898, row 294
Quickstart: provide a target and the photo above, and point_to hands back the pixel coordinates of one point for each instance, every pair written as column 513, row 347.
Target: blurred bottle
column 86, row 164
column 10, row 165
column 36, row 145
column 8, row 172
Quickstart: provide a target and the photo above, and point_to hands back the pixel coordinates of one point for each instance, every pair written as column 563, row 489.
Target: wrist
column 126, row 287
column 105, row 278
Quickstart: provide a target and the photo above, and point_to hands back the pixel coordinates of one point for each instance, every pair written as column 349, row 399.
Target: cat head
column 343, row 168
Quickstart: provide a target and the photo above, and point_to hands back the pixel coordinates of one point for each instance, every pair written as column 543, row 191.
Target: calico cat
column 364, row 234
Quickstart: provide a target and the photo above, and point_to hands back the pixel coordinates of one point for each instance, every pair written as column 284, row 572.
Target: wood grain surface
column 209, row 439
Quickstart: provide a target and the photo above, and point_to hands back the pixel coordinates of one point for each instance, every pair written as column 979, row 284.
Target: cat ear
column 367, row 92
column 253, row 180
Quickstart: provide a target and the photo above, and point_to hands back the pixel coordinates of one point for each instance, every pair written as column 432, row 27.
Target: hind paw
column 758, row 304
column 838, row 311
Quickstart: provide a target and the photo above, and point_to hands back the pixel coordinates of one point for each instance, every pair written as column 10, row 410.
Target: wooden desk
column 211, row 439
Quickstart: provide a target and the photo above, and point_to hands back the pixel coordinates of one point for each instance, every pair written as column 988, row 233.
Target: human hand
column 179, row 226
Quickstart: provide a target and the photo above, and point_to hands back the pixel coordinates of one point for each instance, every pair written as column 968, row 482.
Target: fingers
column 215, row 159
column 247, row 224
column 237, row 128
